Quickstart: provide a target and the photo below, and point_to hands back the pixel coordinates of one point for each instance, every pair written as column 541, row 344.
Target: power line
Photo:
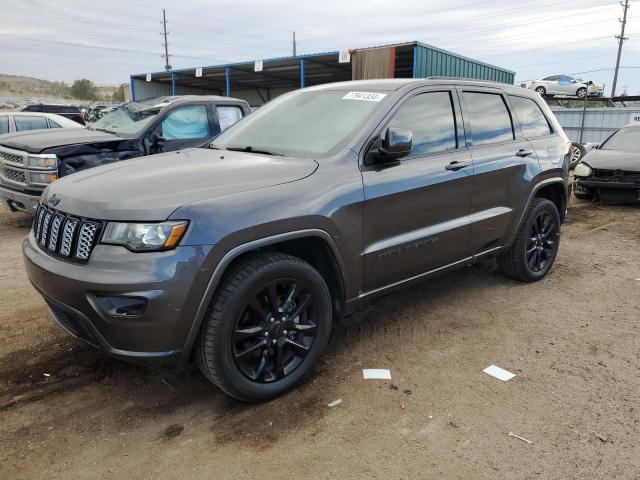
column 621, row 38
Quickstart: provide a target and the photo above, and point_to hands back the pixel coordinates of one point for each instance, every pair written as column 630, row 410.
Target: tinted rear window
column 531, row 119
column 24, row 122
column 489, row 118
column 4, row 124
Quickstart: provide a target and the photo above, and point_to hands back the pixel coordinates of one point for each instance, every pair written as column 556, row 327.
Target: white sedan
column 11, row 122
column 566, row 85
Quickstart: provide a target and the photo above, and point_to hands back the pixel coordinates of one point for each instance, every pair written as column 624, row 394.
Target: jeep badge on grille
column 53, row 200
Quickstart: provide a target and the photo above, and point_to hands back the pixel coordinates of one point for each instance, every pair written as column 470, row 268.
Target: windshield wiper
column 251, row 149
column 102, row 130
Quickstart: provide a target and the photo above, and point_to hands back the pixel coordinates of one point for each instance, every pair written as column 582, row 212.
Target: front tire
column 269, row 323
column 541, row 91
column 536, row 245
column 582, row 92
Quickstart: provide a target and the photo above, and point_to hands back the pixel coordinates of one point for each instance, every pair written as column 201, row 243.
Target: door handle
column 455, row 166
column 524, row 153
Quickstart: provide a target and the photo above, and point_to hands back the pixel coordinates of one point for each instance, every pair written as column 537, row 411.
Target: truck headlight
column 582, row 170
column 42, row 161
column 43, row 178
column 144, row 237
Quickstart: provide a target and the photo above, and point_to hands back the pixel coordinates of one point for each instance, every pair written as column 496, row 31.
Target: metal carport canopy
column 284, row 73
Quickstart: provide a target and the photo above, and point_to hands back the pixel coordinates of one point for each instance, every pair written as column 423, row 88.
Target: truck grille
column 15, row 176
column 10, row 157
column 70, row 237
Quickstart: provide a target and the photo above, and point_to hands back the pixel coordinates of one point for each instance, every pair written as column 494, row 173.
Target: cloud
column 107, row 41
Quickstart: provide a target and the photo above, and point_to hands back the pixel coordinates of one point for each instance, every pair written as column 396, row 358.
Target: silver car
column 565, row 85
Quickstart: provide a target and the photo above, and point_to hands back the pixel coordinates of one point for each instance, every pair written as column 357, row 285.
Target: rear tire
column 536, row 245
column 268, row 325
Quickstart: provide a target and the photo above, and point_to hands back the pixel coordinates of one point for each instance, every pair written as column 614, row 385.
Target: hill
column 21, row 86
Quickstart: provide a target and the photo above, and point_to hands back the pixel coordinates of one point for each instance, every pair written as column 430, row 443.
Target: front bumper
column 18, row 201
column 608, row 191
column 171, row 283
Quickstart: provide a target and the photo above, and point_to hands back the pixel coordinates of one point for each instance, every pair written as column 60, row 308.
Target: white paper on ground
column 335, row 402
column 376, row 374
column 499, row 373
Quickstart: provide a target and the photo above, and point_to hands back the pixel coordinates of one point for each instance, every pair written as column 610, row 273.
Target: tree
column 118, row 95
column 83, row 89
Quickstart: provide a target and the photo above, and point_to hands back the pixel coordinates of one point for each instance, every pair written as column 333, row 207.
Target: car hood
column 151, row 188
column 36, row 141
column 613, row 160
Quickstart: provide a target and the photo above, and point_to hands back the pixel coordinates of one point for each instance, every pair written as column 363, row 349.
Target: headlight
column 582, row 170
column 43, row 161
column 43, row 178
column 144, row 237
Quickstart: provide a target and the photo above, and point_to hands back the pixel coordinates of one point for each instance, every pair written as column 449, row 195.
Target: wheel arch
column 312, row 245
column 553, row 189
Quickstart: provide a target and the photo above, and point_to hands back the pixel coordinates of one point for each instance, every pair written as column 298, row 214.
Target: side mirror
column 157, row 142
column 397, row 143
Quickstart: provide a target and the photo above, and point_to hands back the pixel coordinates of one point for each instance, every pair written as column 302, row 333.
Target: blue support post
column 302, row 73
column 133, row 90
column 413, row 71
column 228, row 80
column 173, row 83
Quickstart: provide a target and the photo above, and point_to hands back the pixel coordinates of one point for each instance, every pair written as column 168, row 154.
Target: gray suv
column 240, row 254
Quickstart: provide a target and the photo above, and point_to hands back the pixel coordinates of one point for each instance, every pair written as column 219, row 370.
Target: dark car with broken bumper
column 611, row 172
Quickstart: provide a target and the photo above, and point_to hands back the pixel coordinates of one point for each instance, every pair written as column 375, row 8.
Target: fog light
column 122, row 306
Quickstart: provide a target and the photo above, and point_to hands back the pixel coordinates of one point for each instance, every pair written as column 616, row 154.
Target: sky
column 106, row 41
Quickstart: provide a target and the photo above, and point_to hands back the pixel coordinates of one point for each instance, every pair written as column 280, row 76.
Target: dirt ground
column 573, row 339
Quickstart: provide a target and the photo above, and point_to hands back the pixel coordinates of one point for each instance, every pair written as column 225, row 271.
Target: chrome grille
column 10, row 157
column 15, row 176
column 45, row 227
column 54, row 233
column 37, row 225
column 85, row 240
column 65, row 235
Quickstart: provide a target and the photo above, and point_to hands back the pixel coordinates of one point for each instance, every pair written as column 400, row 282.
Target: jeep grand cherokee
column 242, row 254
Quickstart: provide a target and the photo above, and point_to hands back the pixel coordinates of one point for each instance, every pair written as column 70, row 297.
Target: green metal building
column 261, row 80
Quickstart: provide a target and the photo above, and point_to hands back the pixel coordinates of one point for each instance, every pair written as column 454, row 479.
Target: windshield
column 308, row 124
column 626, row 140
column 125, row 120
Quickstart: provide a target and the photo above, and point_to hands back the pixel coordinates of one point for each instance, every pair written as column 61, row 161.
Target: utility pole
column 621, row 38
column 294, row 44
column 167, row 67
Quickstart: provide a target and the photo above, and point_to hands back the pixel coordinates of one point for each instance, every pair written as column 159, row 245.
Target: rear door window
column 4, row 124
column 531, row 119
column 430, row 118
column 24, row 122
column 489, row 118
column 186, row 123
column 228, row 115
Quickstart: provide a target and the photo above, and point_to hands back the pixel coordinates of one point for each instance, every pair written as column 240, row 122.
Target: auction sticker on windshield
column 365, row 96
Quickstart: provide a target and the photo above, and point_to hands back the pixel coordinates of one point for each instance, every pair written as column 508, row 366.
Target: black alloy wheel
column 542, row 242
column 536, row 245
column 269, row 323
column 275, row 331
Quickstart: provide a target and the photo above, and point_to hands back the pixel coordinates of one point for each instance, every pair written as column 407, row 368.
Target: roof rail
column 464, row 79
